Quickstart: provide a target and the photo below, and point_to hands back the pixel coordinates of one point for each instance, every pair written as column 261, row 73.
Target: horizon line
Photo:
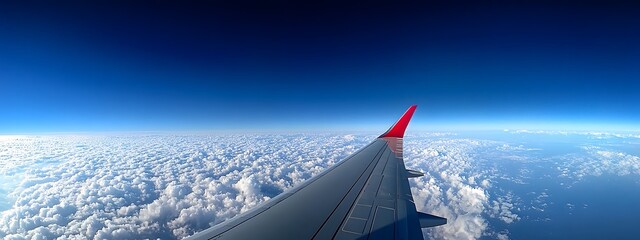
column 580, row 128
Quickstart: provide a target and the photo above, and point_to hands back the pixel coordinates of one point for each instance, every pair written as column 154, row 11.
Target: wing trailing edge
column 391, row 137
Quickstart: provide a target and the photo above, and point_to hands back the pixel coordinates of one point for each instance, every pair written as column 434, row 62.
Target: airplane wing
column 365, row 196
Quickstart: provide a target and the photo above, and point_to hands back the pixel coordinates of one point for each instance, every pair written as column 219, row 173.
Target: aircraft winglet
column 397, row 130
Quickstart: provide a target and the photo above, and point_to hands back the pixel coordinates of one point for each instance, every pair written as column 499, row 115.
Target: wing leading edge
column 365, row 196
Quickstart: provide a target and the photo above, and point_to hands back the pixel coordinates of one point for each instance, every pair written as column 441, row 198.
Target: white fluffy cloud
column 450, row 188
column 123, row 187
column 502, row 208
column 598, row 161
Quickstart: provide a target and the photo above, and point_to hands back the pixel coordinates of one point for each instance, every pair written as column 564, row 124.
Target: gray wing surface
column 365, row 196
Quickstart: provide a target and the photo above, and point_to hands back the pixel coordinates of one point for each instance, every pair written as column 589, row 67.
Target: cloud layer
column 171, row 186
column 152, row 186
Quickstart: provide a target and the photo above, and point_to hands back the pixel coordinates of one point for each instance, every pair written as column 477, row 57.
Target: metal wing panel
column 384, row 208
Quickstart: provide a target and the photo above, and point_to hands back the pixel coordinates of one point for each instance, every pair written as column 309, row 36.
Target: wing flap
column 428, row 220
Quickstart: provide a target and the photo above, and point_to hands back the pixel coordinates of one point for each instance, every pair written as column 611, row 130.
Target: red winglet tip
column 397, row 130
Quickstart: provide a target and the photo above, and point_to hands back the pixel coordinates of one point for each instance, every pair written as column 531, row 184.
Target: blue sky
column 97, row 66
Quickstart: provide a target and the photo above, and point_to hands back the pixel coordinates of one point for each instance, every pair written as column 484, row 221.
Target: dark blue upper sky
column 118, row 66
